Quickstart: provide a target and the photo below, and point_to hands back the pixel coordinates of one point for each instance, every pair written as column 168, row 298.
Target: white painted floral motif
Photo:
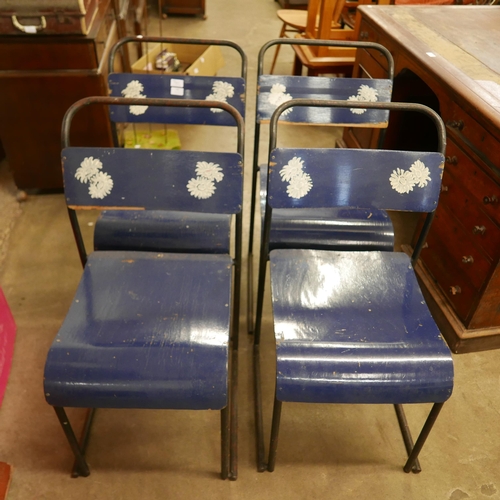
column 209, row 170
column 403, row 181
column 292, row 169
column 299, row 182
column 421, row 174
column 365, row 94
column 299, row 186
column 221, row 91
column 134, row 90
column 100, row 183
column 203, row 187
column 278, row 96
column 88, row 168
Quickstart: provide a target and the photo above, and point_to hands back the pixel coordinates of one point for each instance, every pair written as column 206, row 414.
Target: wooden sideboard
column 195, row 7
column 40, row 77
column 447, row 58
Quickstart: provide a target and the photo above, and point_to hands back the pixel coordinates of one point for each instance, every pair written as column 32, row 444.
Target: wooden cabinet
column 444, row 59
column 40, row 77
column 195, row 7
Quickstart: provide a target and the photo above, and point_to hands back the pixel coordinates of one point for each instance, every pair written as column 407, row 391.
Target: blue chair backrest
column 359, row 178
column 117, row 178
column 226, row 89
column 274, row 90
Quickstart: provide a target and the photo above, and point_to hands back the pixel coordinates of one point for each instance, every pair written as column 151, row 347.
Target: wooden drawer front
column 369, row 66
column 478, row 227
column 482, row 186
column 477, row 140
column 368, row 34
column 459, row 281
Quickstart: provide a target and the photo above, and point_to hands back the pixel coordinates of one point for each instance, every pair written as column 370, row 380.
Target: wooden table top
column 459, row 45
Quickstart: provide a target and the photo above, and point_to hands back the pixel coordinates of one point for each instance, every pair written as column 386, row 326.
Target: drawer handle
column 479, row 230
column 468, row 259
column 444, row 188
column 457, row 124
column 490, row 200
column 452, row 160
column 455, row 290
column 29, row 29
column 364, row 35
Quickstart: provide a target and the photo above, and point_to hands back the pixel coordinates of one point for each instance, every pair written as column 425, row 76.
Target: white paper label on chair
column 221, row 91
column 176, row 82
column 134, row 90
column 278, row 96
column 176, row 91
column 90, row 171
column 365, row 94
column 299, row 182
column 403, row 181
column 203, row 185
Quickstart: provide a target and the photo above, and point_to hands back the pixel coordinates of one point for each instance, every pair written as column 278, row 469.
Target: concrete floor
column 325, row 451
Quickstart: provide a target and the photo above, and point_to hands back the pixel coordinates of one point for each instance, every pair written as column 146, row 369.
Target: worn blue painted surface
column 353, row 327
column 160, row 179
column 145, row 330
column 327, row 228
column 274, row 90
column 392, row 180
column 158, row 230
column 228, row 89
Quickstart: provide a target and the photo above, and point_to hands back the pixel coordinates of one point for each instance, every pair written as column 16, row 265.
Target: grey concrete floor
column 326, row 451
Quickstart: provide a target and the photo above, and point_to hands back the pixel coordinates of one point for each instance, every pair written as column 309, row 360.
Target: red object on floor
column 7, row 337
column 5, row 475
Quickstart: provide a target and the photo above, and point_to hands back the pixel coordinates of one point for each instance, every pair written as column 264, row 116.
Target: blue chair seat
column 176, row 354
column 327, row 228
column 159, row 230
column 338, row 320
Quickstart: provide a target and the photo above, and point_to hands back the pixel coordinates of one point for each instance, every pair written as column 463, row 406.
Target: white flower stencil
column 299, row 186
column 278, row 96
column 403, row 181
column 365, row 94
column 421, row 174
column 292, row 169
column 87, row 169
column 100, row 183
column 299, row 183
column 221, row 91
column 203, row 187
column 134, row 90
column 209, row 170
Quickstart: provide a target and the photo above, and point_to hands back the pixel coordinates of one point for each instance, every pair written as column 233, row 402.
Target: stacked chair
column 353, row 326
column 151, row 329
column 322, row 228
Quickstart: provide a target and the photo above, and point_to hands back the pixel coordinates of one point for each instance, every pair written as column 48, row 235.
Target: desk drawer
column 478, row 227
column 483, row 187
column 456, row 264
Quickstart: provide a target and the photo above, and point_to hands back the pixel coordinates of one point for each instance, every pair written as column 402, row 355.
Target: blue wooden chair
column 353, row 327
column 325, row 227
column 151, row 329
column 160, row 230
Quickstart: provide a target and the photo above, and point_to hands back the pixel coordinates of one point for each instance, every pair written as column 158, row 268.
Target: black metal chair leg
column 424, row 433
column 233, row 423
column 274, row 435
column 224, row 431
column 259, row 424
column 407, row 438
column 83, row 468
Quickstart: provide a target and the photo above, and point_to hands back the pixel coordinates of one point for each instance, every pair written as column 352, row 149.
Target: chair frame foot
column 80, row 467
column 259, row 424
column 273, row 446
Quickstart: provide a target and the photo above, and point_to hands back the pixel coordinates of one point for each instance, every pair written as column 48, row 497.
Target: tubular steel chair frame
column 412, row 464
column 255, row 164
column 229, row 425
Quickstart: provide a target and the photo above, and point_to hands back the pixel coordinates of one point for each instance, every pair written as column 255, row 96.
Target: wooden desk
column 447, row 57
